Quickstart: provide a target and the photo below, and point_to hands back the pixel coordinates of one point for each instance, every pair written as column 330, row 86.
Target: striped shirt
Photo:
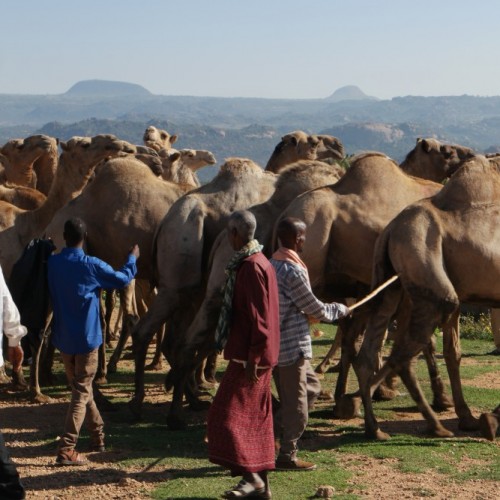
column 297, row 301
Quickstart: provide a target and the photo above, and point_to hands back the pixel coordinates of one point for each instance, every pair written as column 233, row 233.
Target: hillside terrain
column 252, row 127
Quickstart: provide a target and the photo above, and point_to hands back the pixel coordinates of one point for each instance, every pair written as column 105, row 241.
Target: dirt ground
column 102, row 478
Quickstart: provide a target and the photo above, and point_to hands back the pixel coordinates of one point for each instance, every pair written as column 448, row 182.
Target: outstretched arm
column 303, row 297
column 109, row 278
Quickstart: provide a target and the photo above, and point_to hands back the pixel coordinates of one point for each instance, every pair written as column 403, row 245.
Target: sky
column 253, row 48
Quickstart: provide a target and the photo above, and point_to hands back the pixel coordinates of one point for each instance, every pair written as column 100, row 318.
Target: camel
column 330, row 149
column 17, row 226
column 445, row 250
column 432, row 160
column 21, row 196
column 134, row 200
column 158, row 139
column 293, row 147
column 195, row 220
column 79, row 157
column 345, row 220
column 181, row 166
column 23, row 154
column 293, row 180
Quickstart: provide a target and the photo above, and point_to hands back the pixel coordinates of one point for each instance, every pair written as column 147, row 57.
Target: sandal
column 244, row 489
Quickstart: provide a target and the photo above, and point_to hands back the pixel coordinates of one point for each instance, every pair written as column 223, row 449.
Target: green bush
column 475, row 329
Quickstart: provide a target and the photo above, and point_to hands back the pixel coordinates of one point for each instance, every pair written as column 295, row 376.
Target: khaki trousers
column 80, row 371
column 298, row 388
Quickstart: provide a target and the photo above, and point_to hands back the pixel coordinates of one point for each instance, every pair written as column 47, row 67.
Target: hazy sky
column 253, row 48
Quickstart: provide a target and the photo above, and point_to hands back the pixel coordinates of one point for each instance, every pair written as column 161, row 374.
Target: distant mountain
column 107, row 88
column 350, row 93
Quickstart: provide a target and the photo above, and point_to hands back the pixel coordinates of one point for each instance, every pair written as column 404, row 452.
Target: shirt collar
column 72, row 251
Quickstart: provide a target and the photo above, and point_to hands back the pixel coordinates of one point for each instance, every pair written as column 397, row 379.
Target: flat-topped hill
column 107, row 88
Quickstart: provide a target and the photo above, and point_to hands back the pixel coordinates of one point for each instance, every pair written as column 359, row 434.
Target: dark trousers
column 10, row 486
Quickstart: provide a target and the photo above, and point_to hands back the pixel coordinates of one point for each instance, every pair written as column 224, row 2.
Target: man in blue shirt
column 74, row 283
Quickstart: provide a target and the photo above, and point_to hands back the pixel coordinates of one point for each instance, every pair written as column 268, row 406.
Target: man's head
column 292, row 233
column 241, row 228
column 75, row 231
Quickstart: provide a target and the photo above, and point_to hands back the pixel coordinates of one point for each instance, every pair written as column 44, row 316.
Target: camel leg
column 327, row 360
column 129, row 319
column 441, row 400
column 197, row 344
column 453, row 356
column 109, row 307
column 100, row 377
column 142, row 335
column 211, row 368
column 156, row 363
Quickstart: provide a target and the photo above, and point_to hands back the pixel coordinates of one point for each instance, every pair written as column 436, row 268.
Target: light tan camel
column 344, row 222
column 198, row 340
column 158, row 139
column 46, row 165
column 330, row 149
column 181, row 166
column 293, row 147
column 21, row 196
column 183, row 243
column 22, row 155
column 79, row 157
column 446, row 250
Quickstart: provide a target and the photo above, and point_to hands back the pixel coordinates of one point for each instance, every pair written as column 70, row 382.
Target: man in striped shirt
column 298, row 386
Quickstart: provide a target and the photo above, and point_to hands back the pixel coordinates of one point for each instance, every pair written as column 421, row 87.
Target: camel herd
column 365, row 224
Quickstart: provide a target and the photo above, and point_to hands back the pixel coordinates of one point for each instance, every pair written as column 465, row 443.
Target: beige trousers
column 298, row 388
column 80, row 371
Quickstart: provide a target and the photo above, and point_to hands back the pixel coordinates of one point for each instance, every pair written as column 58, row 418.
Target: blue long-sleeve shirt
column 74, row 283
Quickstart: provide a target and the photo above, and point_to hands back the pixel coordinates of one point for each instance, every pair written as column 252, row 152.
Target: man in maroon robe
column 240, row 421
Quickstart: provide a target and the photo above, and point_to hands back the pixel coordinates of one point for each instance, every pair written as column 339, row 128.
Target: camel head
column 24, row 152
column 196, row 158
column 434, row 160
column 157, row 139
column 330, row 148
column 81, row 154
column 293, row 147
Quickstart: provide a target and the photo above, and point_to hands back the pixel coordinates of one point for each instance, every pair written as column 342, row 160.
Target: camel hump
column 476, row 183
column 239, row 166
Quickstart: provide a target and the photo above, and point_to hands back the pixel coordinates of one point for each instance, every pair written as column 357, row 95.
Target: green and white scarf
column 222, row 330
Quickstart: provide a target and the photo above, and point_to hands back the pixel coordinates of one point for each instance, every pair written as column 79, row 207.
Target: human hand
column 347, row 312
column 16, row 356
column 135, row 251
column 251, row 372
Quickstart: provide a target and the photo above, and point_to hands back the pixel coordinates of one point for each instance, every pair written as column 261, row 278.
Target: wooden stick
column 374, row 292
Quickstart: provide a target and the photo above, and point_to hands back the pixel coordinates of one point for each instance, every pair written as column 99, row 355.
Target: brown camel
column 183, row 243
column 79, row 157
column 344, row 222
column 446, row 250
column 134, row 200
column 293, row 147
column 293, row 180
column 18, row 227
column 21, row 196
column 22, row 155
column 430, row 160
column 330, row 149
column 158, row 139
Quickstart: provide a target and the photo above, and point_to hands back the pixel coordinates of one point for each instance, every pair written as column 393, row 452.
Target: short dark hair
column 289, row 228
column 74, row 231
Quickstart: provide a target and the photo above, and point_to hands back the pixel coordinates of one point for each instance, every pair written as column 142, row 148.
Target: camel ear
column 57, row 140
column 425, row 145
column 174, row 156
column 293, row 140
column 173, row 138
